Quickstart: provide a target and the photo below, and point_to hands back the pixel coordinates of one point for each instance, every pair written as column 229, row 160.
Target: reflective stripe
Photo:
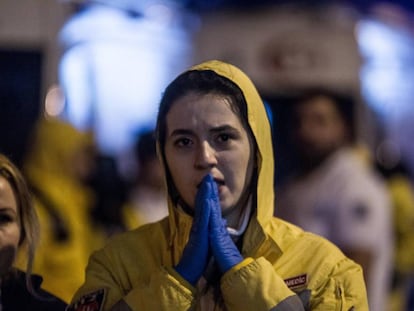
column 292, row 303
column 305, row 297
column 121, row 306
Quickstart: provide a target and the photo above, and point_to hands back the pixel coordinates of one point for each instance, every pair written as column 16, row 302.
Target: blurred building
column 363, row 49
column 126, row 49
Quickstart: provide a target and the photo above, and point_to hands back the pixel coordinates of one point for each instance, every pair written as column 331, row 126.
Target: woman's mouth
column 219, row 183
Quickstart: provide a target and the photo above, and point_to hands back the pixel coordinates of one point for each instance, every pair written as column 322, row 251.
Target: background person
column 57, row 168
column 219, row 248
column 398, row 180
column 335, row 193
column 19, row 232
column 147, row 200
column 110, row 193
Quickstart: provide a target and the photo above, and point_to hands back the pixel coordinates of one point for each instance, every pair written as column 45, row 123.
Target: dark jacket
column 15, row 295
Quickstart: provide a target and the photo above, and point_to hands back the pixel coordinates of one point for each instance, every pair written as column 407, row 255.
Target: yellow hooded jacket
column 63, row 204
column 285, row 268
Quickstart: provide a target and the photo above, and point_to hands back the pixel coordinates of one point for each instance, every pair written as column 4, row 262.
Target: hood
column 52, row 148
column 260, row 126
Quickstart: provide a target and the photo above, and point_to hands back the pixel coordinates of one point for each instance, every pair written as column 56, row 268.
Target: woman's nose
column 205, row 157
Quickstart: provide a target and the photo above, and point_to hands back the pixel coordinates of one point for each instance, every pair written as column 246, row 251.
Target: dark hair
column 200, row 82
column 345, row 105
column 145, row 146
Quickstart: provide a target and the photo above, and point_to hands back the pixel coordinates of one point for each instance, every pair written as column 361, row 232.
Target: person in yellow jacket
column 402, row 195
column 220, row 248
column 57, row 161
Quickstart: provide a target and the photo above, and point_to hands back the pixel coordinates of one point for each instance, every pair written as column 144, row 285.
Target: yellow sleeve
column 344, row 289
column 105, row 286
column 256, row 286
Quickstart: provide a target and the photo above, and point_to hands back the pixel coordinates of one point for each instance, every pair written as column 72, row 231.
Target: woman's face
column 205, row 136
column 9, row 226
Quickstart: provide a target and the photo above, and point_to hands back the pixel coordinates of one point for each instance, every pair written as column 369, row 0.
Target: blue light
column 115, row 67
column 388, row 68
column 387, row 76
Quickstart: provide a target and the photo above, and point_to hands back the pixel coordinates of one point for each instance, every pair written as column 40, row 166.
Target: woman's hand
column 196, row 252
column 208, row 232
column 222, row 246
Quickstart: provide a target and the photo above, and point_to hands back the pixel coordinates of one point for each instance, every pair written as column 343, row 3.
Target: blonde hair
column 27, row 217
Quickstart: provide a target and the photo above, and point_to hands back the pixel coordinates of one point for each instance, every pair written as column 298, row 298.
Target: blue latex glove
column 223, row 248
column 195, row 255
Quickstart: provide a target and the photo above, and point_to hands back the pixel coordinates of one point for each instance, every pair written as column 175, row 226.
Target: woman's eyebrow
column 223, row 128
column 218, row 129
column 181, row 132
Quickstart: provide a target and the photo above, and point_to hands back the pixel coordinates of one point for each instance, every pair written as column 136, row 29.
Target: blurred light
column 388, row 68
column 387, row 76
column 115, row 67
column 160, row 12
column 54, row 101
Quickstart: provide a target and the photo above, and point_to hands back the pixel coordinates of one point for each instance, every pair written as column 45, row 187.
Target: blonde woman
column 19, row 231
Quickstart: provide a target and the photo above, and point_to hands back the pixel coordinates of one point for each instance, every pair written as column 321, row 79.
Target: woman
column 214, row 140
column 19, row 230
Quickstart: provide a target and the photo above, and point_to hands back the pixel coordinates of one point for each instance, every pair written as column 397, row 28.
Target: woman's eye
column 4, row 218
column 224, row 137
column 183, row 142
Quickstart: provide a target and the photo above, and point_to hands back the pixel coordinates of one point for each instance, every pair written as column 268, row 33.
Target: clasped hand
column 208, row 236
